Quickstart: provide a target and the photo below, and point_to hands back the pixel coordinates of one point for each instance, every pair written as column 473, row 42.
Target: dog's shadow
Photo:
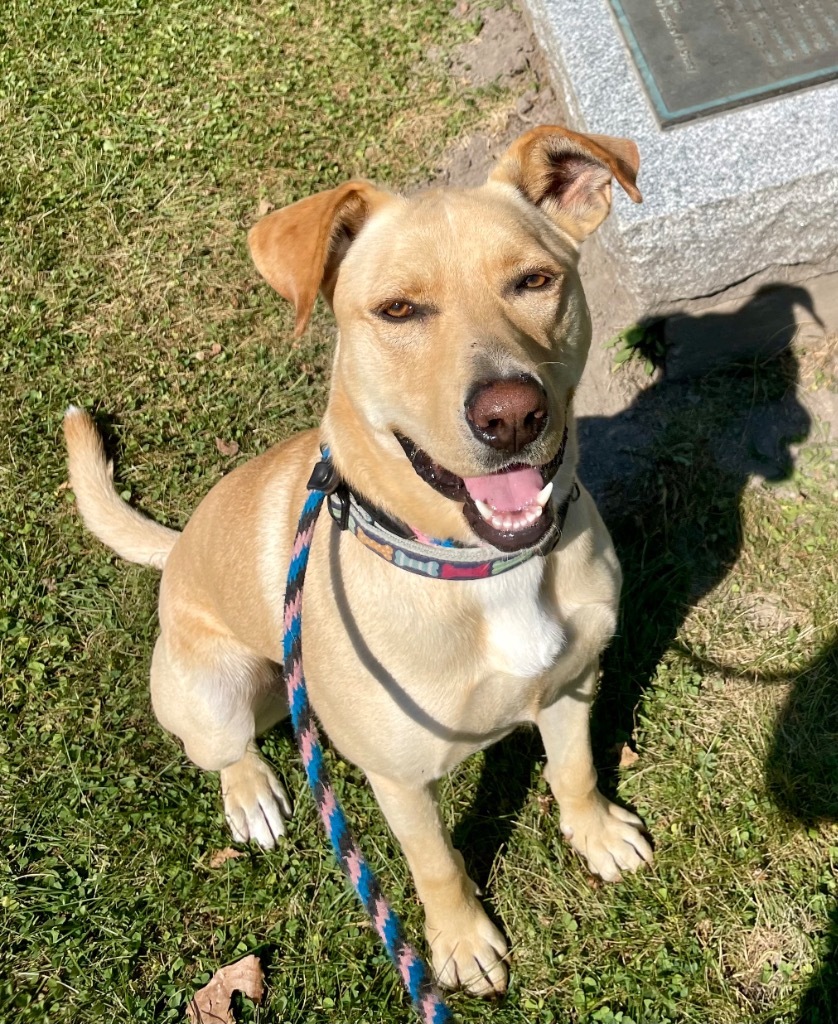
column 802, row 776
column 668, row 475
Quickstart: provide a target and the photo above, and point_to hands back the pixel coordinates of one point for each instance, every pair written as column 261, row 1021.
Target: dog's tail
column 126, row 531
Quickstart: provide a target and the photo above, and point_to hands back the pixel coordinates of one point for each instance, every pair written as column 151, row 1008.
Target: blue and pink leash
column 412, row 969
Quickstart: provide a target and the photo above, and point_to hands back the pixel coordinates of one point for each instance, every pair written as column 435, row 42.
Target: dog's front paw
column 609, row 838
column 468, row 952
column 255, row 802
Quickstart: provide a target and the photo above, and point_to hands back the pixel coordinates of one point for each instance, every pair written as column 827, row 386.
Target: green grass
column 137, row 142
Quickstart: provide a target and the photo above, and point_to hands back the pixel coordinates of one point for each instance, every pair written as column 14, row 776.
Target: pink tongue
column 506, row 492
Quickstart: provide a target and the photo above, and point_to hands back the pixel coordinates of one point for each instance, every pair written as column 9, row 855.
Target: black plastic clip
column 324, row 477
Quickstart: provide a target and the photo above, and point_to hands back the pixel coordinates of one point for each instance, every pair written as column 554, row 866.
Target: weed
column 643, row 342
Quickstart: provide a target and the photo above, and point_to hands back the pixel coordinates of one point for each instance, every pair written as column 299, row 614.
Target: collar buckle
column 339, row 505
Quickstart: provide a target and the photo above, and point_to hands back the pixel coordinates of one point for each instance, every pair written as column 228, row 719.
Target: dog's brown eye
column 399, row 310
column 535, row 281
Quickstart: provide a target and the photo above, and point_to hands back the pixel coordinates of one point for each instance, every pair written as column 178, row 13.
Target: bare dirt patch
column 505, row 55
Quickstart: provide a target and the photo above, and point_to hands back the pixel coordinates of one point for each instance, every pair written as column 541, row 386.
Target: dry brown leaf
column 203, row 354
column 211, row 1004
column 265, row 206
column 228, row 448
column 220, row 856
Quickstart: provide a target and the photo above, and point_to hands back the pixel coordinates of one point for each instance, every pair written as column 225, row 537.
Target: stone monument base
column 737, row 205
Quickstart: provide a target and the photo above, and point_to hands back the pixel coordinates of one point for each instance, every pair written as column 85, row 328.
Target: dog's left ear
column 568, row 174
column 298, row 249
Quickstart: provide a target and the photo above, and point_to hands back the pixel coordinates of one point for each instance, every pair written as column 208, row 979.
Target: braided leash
column 414, row 974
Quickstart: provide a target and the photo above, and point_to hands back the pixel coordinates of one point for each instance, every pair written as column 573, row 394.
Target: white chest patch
column 524, row 637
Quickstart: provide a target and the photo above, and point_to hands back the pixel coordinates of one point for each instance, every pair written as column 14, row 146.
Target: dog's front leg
column 467, row 949
column 609, row 838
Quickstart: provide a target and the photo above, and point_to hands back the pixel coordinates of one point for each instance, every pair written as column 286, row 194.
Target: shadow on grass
column 677, row 528
column 668, row 474
column 676, row 464
column 504, row 787
column 802, row 776
column 802, row 779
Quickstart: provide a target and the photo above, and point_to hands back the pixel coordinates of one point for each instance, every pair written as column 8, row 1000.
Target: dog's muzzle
column 509, row 509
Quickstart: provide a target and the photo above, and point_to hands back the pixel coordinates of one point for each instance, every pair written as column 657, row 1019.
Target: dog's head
column 463, row 330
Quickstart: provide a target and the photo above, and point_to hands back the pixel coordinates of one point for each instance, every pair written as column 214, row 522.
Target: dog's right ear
column 298, row 249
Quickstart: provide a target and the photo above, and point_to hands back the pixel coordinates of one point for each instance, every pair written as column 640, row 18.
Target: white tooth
column 543, row 495
column 497, row 522
column 507, row 522
column 484, row 509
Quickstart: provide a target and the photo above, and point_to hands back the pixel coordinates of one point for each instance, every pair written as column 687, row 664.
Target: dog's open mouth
column 509, row 509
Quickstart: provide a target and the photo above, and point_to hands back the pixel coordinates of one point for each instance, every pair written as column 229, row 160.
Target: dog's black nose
column 507, row 414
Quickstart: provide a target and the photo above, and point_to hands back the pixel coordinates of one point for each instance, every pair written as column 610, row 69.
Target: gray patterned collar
column 441, row 560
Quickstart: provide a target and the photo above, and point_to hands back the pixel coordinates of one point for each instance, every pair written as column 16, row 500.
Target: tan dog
column 463, row 334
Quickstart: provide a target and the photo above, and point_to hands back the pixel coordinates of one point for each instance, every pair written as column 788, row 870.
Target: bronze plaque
column 698, row 57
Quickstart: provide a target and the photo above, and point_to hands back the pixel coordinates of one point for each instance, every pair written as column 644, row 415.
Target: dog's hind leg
column 215, row 697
